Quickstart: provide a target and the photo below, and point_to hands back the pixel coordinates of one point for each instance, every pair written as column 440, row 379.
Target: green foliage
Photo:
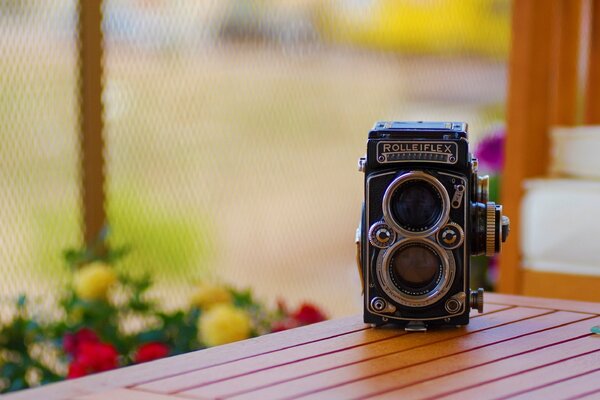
column 120, row 323
column 18, row 338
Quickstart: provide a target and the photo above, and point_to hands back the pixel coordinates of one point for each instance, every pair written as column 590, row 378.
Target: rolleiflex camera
column 426, row 211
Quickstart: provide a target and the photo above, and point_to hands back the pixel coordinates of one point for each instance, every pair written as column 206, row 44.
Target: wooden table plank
column 520, row 347
column 378, row 354
column 138, row 374
column 413, row 364
column 436, row 388
column 523, row 384
column 551, row 304
column 283, row 373
column 269, row 360
column 126, row 394
column 584, row 386
column 343, row 343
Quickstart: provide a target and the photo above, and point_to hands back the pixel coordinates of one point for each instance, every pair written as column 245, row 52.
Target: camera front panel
column 414, row 248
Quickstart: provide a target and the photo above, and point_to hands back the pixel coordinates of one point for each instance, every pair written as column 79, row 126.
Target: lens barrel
column 416, row 204
column 416, row 272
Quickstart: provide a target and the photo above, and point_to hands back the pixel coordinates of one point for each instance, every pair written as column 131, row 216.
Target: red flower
column 93, row 357
column 284, row 325
column 76, row 370
column 151, row 351
column 308, row 314
column 72, row 341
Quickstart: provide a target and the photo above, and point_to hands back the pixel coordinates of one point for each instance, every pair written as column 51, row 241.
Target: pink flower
column 151, row 351
column 490, row 152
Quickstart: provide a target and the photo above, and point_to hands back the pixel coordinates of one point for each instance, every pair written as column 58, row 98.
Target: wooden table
column 520, row 348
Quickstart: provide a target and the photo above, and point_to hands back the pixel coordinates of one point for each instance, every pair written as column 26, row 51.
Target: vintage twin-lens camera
column 426, row 211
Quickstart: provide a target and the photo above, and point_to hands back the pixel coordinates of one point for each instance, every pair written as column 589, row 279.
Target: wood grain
column 438, row 387
column 434, row 379
column 547, row 303
column 530, row 89
column 172, row 366
column 126, row 394
column 522, row 346
column 581, row 386
column 414, row 365
column 91, row 117
column 561, row 286
column 285, row 372
column 592, row 100
column 565, row 63
column 523, row 384
column 261, row 362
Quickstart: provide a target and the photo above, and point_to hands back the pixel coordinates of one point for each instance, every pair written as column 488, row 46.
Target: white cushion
column 576, row 151
column 560, row 226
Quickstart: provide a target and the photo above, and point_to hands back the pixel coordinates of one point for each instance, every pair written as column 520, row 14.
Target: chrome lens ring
column 417, row 176
column 438, row 292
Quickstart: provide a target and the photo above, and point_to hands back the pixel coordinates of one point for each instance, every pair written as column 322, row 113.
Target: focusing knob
column 476, row 300
column 380, row 235
column 490, row 229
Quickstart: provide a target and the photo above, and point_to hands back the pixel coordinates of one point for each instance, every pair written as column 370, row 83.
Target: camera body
column 425, row 213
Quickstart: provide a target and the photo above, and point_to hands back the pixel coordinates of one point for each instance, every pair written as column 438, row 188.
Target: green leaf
column 17, row 384
column 155, row 335
column 242, row 298
column 9, row 369
column 21, row 300
column 595, row 329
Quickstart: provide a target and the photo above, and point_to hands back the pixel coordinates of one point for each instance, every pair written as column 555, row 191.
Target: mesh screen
column 38, row 146
column 233, row 127
column 232, row 131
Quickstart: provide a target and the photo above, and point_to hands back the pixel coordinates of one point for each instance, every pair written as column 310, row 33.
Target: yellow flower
column 207, row 295
column 223, row 324
column 93, row 281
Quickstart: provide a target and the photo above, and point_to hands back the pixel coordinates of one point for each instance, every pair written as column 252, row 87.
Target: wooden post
column 592, row 101
column 91, row 123
column 565, row 78
column 528, row 116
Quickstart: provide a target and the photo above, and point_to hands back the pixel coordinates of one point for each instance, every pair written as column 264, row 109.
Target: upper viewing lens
column 416, row 205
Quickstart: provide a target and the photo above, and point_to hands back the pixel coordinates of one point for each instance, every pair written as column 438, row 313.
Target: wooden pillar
column 91, row 123
column 565, row 77
column 592, row 98
column 528, row 116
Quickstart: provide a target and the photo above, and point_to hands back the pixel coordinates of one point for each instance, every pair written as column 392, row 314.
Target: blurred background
column 231, row 132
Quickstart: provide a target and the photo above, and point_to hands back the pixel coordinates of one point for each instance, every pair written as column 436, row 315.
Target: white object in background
column 576, row 151
column 560, row 226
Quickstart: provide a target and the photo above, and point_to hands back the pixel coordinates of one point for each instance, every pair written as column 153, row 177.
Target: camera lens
column 415, row 272
column 416, row 204
column 415, row 267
